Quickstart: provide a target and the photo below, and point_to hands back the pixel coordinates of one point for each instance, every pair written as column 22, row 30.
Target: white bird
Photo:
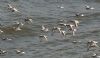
column 72, row 28
column 3, row 51
column 1, row 31
column 9, row 39
column 62, row 24
column 18, row 26
column 28, row 20
column 13, row 9
column 87, row 7
column 10, row 6
column 60, row 6
column 44, row 29
column 43, row 36
column 74, row 22
column 63, row 32
column 95, row 55
column 79, row 14
column 59, row 29
column 18, row 51
column 54, row 29
column 92, row 44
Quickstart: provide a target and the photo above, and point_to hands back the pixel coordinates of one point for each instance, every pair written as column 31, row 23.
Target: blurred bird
column 87, row 7
column 60, row 6
column 1, row 31
column 18, row 26
column 13, row 9
column 63, row 33
column 43, row 36
column 10, row 6
column 62, row 24
column 92, row 44
column 71, row 28
column 79, row 15
column 95, row 55
column 2, row 52
column 74, row 22
column 28, row 20
column 18, row 51
column 44, row 29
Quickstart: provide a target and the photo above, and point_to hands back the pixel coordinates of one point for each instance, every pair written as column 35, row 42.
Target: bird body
column 87, row 7
column 1, row 31
column 18, row 51
column 29, row 20
column 43, row 36
column 18, row 26
column 44, row 29
column 92, row 44
column 74, row 22
column 13, row 9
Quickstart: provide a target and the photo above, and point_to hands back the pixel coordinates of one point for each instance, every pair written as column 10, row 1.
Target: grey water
column 47, row 12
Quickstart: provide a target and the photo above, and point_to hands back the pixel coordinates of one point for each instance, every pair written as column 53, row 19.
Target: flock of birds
column 62, row 28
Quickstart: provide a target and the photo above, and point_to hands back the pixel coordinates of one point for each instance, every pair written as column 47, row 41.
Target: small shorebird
column 63, row 33
column 62, row 24
column 18, row 26
column 13, row 9
column 1, row 31
column 43, row 36
column 60, row 6
column 59, row 29
column 73, row 31
column 71, row 28
column 29, row 20
column 2, row 51
column 54, row 29
column 92, row 44
column 18, row 51
column 10, row 6
column 9, row 39
column 44, row 29
column 79, row 15
column 87, row 7
column 74, row 22
column 95, row 55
